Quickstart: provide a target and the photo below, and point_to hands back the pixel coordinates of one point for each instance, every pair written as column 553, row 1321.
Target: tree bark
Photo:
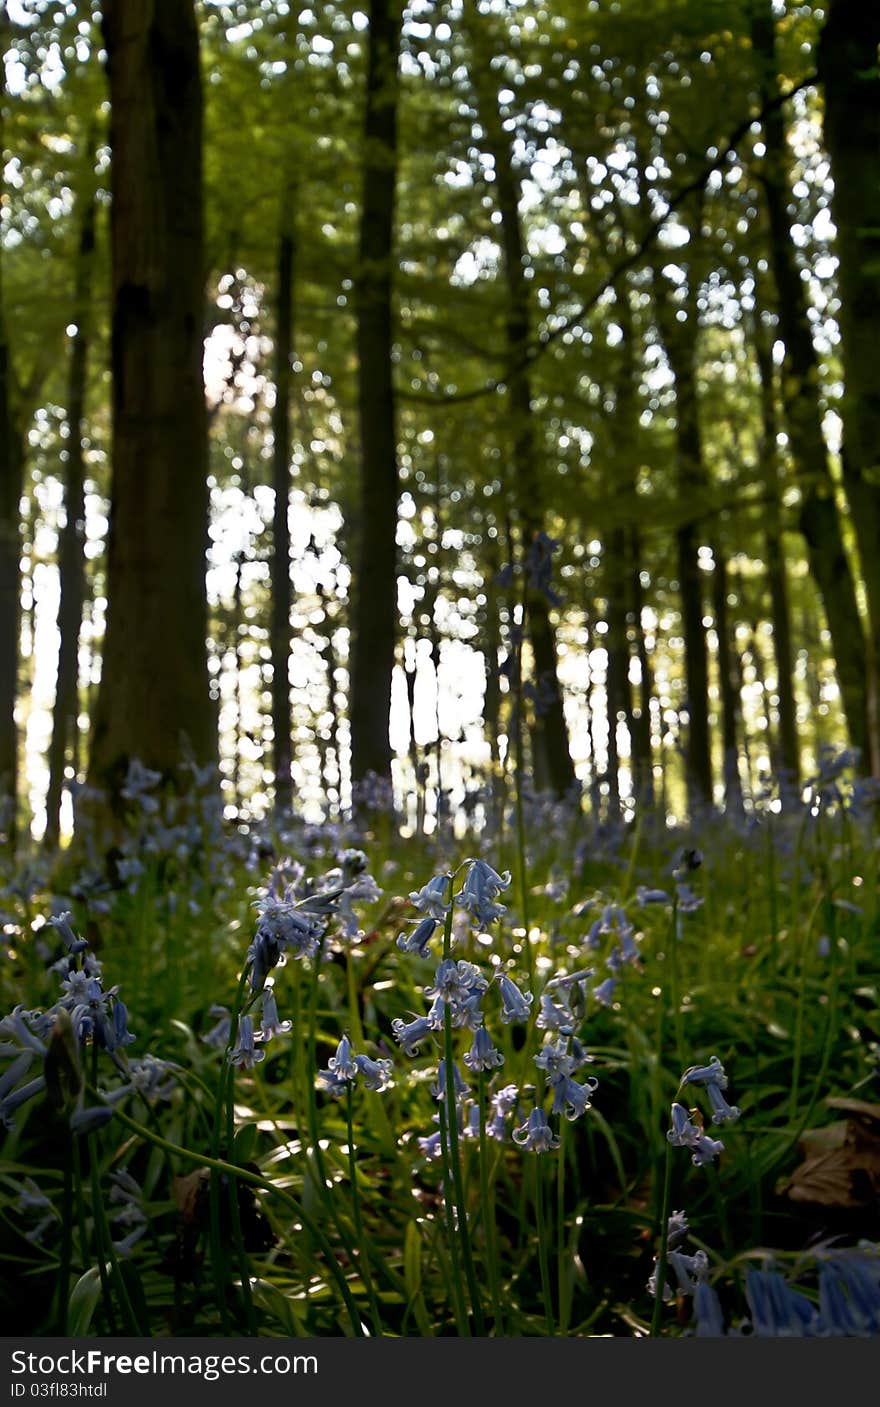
column 819, row 519
column 850, row 73
column 374, row 619
column 71, row 547
column 774, row 555
column 153, row 702
column 282, row 596
column 727, row 687
column 11, row 482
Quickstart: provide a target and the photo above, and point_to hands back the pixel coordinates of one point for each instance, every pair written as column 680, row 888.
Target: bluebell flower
column 651, row 896
column 569, row 1097
column 480, row 889
column 62, row 922
column 417, row 941
column 121, row 1034
column 17, row 1033
column 683, row 1133
column 218, row 1036
column 460, row 987
column 713, row 1073
column 859, row 1272
column 594, row 934
column 721, row 1111
column 840, row 1311
column 555, row 1015
column 708, row 1315
column 777, row 1310
column 483, row 1054
column 554, row 1058
column 431, row 898
column 15, row 1098
column 343, row 1063
column 471, row 1127
column 514, row 1003
column 536, row 1134
column 376, row 1073
column 152, row 1078
column 688, row 901
column 705, row 1150
column 270, row 1022
column 604, row 993
column 245, row 1053
column 410, row 1035
column 432, row 1146
column 84, row 1121
column 502, row 1103
column 460, row 1085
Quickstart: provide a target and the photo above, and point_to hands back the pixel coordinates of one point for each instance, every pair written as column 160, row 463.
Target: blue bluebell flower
column 85, row 1120
column 376, row 1073
column 483, row 1054
column 480, row 889
column 218, row 1036
column 417, row 941
column 270, row 1022
column 502, row 1104
column 777, row 1310
column 554, row 1058
column 460, row 1085
column 343, row 1063
column 514, row 1003
column 536, row 1134
column 708, row 1314
column 121, row 1034
column 859, row 1272
column 604, row 993
column 432, row 1146
column 431, row 899
column 15, row 1098
column 555, row 1015
column 410, row 1035
column 713, row 1073
column 651, row 896
column 246, row 1053
column 722, row 1112
column 685, row 1134
column 569, row 1097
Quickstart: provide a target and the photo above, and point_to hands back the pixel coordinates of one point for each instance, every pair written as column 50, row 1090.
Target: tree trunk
column 279, row 630
column 551, row 724
column 643, row 753
column 774, row 554
column 849, row 70
column 153, row 703
column 71, row 547
column 680, row 343
column 730, row 703
column 374, row 615
column 11, row 482
column 819, row 519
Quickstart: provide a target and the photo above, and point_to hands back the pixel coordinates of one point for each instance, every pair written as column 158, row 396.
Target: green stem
column 660, row 1272
column 220, row 1166
column 363, row 1259
column 487, row 1198
column 244, row 1268
column 459, row 1303
column 105, row 1243
column 542, row 1249
column 561, row 1253
column 66, row 1240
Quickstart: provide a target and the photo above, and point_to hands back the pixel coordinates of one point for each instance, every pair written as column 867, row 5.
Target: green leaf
column 83, row 1301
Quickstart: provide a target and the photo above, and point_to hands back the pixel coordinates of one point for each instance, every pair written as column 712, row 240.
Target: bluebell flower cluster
column 345, row 1066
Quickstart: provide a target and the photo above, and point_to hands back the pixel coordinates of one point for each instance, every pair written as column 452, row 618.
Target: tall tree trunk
column 774, row 555
column 71, row 547
column 153, row 703
column 729, row 694
column 616, row 656
column 643, row 752
column 279, row 631
column 374, row 615
column 850, row 72
column 551, row 723
column 819, row 519
column 11, row 483
column 680, row 343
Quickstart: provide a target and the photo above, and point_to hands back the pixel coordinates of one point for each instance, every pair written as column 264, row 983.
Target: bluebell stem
column 536, row 1134
column 514, row 1003
column 246, row 1053
column 483, row 1054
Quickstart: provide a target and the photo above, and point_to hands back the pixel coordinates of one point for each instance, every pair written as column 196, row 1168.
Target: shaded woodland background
column 504, row 372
